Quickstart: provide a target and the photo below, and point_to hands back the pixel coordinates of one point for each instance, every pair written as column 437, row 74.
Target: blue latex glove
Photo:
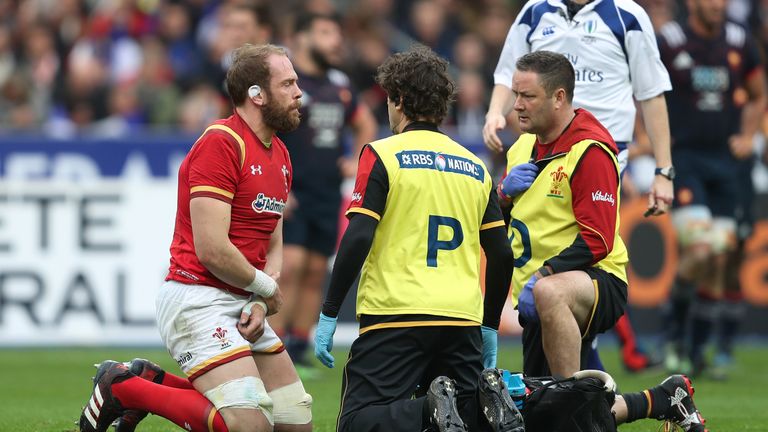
column 326, row 327
column 490, row 346
column 526, row 304
column 519, row 179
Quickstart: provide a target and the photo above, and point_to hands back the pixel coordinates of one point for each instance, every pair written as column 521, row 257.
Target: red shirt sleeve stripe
column 240, row 144
column 364, row 168
column 211, row 192
column 214, row 166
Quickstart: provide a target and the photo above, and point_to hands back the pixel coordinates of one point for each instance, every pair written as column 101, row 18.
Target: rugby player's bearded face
column 283, row 117
column 283, row 97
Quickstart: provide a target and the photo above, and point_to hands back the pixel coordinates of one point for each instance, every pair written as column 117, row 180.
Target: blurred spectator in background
column 124, row 112
column 15, row 103
column 236, row 24
column 430, row 24
column 370, row 49
column 717, row 102
column 468, row 114
column 40, row 66
column 373, row 34
column 114, row 34
column 167, row 49
column 200, row 106
column 320, row 163
column 469, row 55
column 15, row 110
column 175, row 31
column 82, row 99
column 474, row 79
column 494, row 25
column 7, row 57
column 157, row 89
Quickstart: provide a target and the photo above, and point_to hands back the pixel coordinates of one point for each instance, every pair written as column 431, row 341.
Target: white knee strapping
column 292, row 405
column 247, row 392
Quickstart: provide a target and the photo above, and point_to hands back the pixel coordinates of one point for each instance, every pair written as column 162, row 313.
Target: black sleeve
column 577, row 256
column 353, row 250
column 498, row 274
column 506, row 210
column 492, row 210
column 499, row 263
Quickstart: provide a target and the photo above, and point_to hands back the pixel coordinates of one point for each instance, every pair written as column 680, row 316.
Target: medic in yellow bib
column 422, row 209
column 563, row 188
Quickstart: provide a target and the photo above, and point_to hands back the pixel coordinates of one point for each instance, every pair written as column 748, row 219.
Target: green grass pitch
column 44, row 389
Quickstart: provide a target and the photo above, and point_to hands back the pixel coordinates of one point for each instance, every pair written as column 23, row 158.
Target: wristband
column 262, row 285
column 501, row 194
column 544, row 271
column 248, row 306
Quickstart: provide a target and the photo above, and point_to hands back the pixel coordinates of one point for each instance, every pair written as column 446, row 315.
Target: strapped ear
column 255, row 95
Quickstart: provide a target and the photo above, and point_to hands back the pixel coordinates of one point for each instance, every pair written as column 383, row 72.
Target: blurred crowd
column 113, row 67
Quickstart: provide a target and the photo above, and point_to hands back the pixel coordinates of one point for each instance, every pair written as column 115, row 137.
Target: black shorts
column 314, row 224
column 611, row 301
column 708, row 180
column 388, row 370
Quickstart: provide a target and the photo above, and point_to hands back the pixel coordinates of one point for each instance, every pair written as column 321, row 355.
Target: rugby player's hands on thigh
column 275, row 302
column 251, row 325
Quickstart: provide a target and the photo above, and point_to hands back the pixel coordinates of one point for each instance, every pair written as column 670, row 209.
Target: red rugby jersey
column 229, row 162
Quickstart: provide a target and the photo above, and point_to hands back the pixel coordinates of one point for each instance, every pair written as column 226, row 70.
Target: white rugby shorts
column 198, row 325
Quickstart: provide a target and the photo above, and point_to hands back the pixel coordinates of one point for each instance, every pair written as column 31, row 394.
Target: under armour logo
column 255, row 169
